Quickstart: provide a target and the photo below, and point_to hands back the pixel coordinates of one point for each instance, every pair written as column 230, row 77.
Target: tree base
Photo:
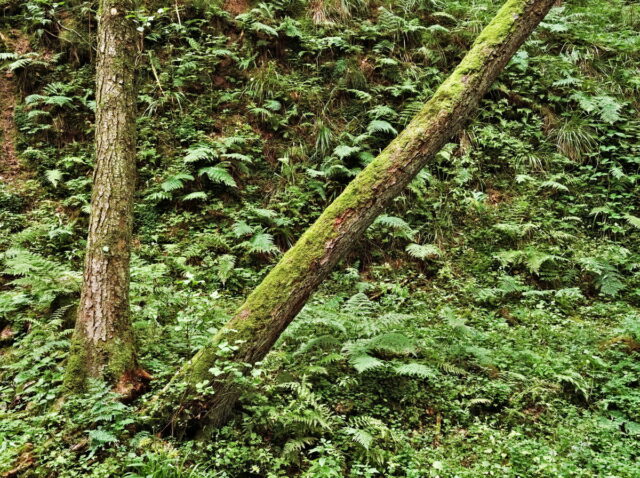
column 132, row 384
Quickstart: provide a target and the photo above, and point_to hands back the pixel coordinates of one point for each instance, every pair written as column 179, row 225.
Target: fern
column 451, row 369
column 374, row 326
column 226, row 265
column 393, row 343
column 359, row 305
column 39, row 281
column 100, row 438
column 556, row 186
column 633, row 220
column 392, row 222
column 410, row 110
column 381, row 126
column 175, row 182
column 238, row 157
column 195, row 195
column 423, row 251
column 259, row 27
column 415, row 369
column 363, row 362
column 607, row 277
column 5, row 55
column 343, row 151
column 261, row 243
column 400, row 227
column 158, row 196
column 199, row 153
column 321, row 342
column 607, row 107
column 241, row 228
column 24, row 60
column 54, row 176
column 294, row 446
column 360, row 436
column 218, row 174
column 263, row 213
column 381, row 111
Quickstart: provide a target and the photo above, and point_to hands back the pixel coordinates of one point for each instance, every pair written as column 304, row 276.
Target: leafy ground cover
column 487, row 325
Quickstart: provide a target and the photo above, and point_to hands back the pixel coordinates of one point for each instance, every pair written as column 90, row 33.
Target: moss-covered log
column 103, row 342
column 275, row 302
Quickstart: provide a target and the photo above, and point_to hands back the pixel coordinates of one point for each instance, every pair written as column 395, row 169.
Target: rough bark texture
column 103, row 342
column 275, row 302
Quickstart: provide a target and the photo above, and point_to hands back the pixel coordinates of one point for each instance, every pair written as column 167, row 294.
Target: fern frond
column 218, row 174
column 199, row 152
column 343, row 151
column 381, row 126
column 54, row 176
column 633, row 220
column 363, row 363
column 195, row 195
column 415, row 369
column 241, row 228
column 393, row 343
column 423, row 251
column 360, row 436
column 262, row 243
column 175, row 182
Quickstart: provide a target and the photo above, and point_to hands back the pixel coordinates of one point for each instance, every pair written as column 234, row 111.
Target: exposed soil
column 236, row 7
column 9, row 164
column 132, row 384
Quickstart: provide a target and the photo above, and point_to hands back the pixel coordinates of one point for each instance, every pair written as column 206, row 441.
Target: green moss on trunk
column 275, row 302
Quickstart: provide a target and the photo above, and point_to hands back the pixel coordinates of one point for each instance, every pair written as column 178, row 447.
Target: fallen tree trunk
column 184, row 404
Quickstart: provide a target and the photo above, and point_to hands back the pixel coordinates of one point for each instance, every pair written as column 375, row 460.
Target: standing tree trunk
column 275, row 302
column 103, row 343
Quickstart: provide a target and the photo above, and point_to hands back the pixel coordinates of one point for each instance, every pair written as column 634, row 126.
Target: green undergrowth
column 486, row 325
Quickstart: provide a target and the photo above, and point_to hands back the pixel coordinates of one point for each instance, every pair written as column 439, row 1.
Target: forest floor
column 488, row 324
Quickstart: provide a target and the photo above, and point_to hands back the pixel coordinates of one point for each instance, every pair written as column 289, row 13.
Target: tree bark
column 103, row 343
column 275, row 302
